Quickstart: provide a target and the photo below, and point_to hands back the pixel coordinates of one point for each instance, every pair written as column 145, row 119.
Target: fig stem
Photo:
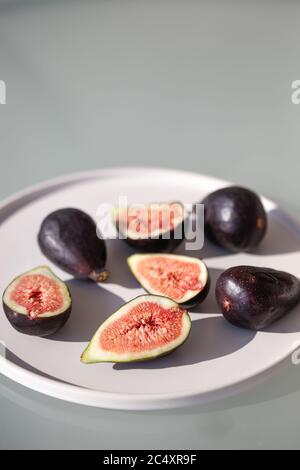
column 99, row 276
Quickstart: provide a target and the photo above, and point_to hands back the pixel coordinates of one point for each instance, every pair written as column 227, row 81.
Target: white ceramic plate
column 218, row 359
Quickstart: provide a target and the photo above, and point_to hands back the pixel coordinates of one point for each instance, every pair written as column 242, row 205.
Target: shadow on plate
column 209, row 250
column 283, row 235
column 210, row 338
column 12, row 357
column 92, row 304
column 290, row 323
column 117, row 254
column 210, row 304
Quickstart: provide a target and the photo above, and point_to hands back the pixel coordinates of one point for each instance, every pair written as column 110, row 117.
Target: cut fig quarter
column 69, row 238
column 152, row 227
column 184, row 279
column 254, row 297
column 37, row 302
column 145, row 328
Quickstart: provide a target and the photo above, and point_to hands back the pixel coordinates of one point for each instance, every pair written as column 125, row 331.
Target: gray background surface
column 198, row 85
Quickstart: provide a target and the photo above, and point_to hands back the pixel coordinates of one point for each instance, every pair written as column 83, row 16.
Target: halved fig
column 37, row 302
column 68, row 237
column 152, row 227
column 145, row 328
column 181, row 278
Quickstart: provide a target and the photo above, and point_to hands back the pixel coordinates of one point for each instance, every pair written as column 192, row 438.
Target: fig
column 152, row 227
column 235, row 218
column 254, row 298
column 181, row 278
column 145, row 328
column 37, row 302
column 68, row 238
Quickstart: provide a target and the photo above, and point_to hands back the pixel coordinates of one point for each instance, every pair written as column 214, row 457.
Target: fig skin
column 254, row 298
column 153, row 245
column 68, row 238
column 235, row 218
column 39, row 326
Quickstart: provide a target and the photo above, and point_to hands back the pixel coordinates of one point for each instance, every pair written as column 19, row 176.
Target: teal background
column 197, row 85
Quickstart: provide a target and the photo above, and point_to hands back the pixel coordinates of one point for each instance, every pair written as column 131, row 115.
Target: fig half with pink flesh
column 184, row 279
column 152, row 227
column 145, row 328
column 37, row 302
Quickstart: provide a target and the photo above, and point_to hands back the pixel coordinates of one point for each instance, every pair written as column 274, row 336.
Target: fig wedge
column 152, row 227
column 181, row 278
column 145, row 328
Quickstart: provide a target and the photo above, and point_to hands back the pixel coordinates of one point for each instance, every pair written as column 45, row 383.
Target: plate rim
column 113, row 400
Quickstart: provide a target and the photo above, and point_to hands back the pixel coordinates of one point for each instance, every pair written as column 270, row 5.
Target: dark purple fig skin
column 39, row 326
column 235, row 218
column 254, row 298
column 153, row 245
column 68, row 238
